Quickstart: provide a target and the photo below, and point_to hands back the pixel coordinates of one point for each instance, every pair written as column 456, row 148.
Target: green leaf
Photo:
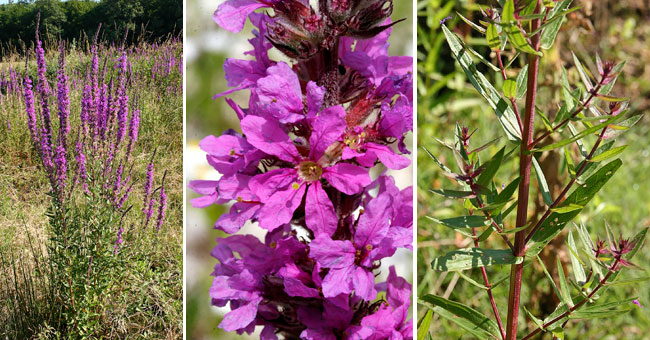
column 580, row 135
column 509, row 88
column 622, row 127
column 608, row 154
column 558, row 333
column 584, row 74
column 425, row 323
column 567, row 208
column 503, row 111
column 473, row 221
column 580, row 196
column 491, row 168
column 576, row 264
column 639, row 239
column 559, row 310
column 627, row 282
column 492, row 37
column 516, row 37
column 550, row 279
column 471, row 281
column 453, row 193
column 472, row 24
column 537, row 321
column 505, row 194
column 541, row 180
column 550, row 32
column 477, row 321
column 440, row 164
column 612, row 98
column 522, row 78
column 588, row 246
column 473, row 258
column 484, row 235
column 564, row 287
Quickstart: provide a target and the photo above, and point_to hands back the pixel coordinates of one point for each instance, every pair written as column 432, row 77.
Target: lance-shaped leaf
column 424, row 324
column 576, row 264
column 582, row 134
column 522, row 78
column 541, row 180
column 580, row 196
column 503, row 111
column 491, row 168
column 453, row 193
column 492, row 37
column 509, row 88
column 564, row 286
column 620, row 128
column 608, row 154
column 474, row 321
column 584, row 74
column 550, row 32
column 603, row 310
column 550, row 278
column 473, row 258
column 515, row 35
column 473, row 221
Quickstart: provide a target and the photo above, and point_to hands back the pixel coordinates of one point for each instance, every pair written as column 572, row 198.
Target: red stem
column 560, row 198
column 525, row 163
column 601, row 283
column 495, row 310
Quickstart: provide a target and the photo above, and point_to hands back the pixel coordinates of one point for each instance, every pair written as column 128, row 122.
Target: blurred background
column 617, row 30
column 206, row 48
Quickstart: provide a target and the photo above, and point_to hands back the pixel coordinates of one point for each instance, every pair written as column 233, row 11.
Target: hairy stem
column 525, row 162
column 330, row 80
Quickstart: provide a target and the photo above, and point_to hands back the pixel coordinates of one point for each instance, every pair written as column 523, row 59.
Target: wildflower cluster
column 312, row 132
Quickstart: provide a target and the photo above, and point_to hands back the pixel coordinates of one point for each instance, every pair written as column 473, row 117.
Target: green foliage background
column 617, row 30
column 75, row 19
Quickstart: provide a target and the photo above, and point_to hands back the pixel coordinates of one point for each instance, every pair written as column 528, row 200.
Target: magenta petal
column 328, row 126
column 317, row 334
column 239, row 214
column 374, row 222
column 337, row 282
column 266, row 184
column 242, row 72
column 319, row 211
column 224, row 145
column 240, row 317
column 280, row 95
column 347, row 178
column 268, row 333
column 204, row 201
column 387, row 156
column 294, row 287
column 204, row 187
column 280, row 207
column 358, row 333
column 267, row 136
column 364, row 284
column 231, row 15
column 398, row 291
column 332, row 254
column 315, row 95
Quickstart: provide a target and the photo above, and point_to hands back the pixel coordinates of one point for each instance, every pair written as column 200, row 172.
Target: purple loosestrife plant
column 90, row 183
column 528, row 29
column 314, row 129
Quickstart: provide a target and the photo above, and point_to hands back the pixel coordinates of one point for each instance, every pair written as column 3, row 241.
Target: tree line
column 77, row 19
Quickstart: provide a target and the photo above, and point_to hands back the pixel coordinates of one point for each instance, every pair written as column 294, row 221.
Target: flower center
column 354, row 140
column 309, row 171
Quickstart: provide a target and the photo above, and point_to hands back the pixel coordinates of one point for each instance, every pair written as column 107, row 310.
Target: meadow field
column 125, row 278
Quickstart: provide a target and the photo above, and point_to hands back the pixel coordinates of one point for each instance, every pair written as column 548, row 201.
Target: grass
column 146, row 289
column 618, row 33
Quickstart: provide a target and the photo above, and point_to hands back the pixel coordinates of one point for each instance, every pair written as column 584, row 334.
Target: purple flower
column 231, row 15
column 636, row 302
column 63, row 98
column 281, row 190
column 31, row 111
